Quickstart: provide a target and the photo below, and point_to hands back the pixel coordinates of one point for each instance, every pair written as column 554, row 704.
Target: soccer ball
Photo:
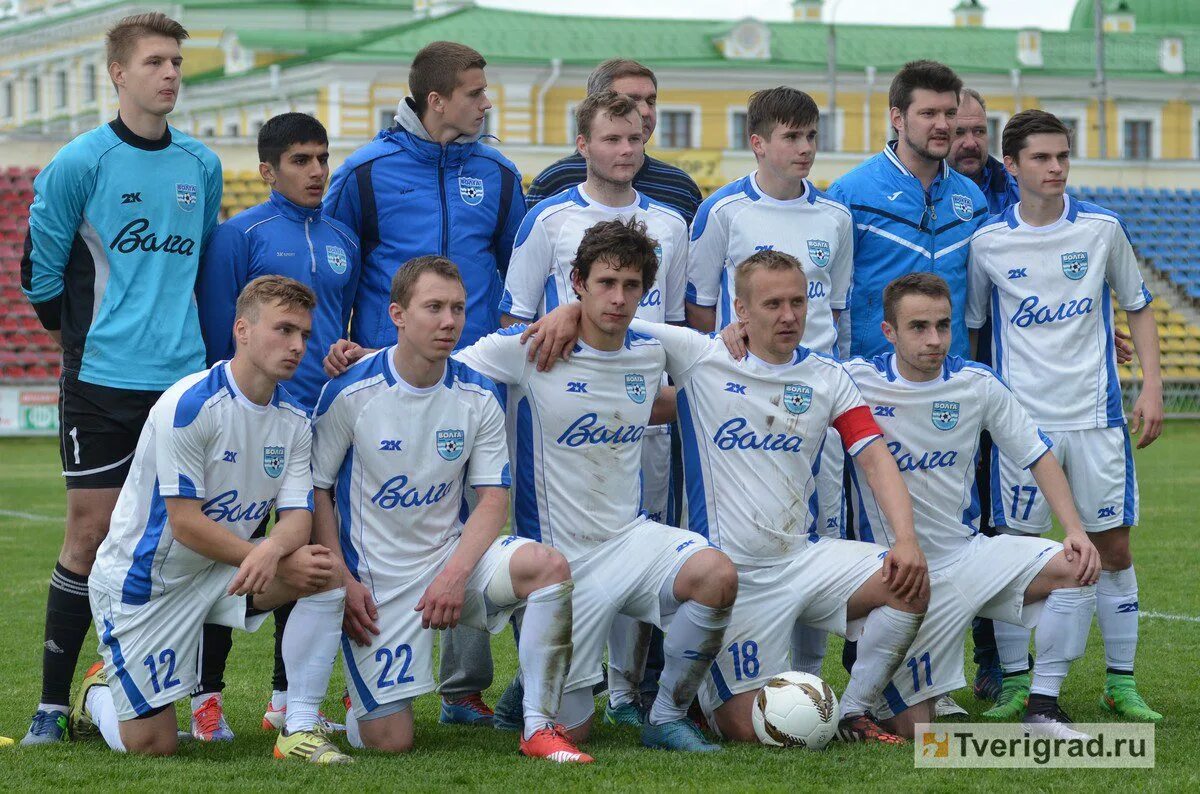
column 795, row 710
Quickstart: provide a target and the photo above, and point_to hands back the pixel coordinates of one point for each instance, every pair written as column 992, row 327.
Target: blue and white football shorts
column 812, row 588
column 398, row 664
column 625, row 574
column 989, row 580
column 151, row 651
column 1099, row 467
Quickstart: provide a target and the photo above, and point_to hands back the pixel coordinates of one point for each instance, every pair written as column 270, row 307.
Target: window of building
column 60, row 89
column 9, row 100
column 1072, row 124
column 232, row 129
column 35, row 95
column 208, row 131
column 387, row 117
column 827, row 132
column 674, row 129
column 89, row 82
column 1137, row 139
column 739, row 136
column 995, row 127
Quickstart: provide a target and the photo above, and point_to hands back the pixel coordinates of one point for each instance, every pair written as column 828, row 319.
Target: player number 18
column 745, row 659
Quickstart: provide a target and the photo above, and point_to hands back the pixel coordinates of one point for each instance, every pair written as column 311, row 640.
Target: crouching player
column 398, row 436
column 752, row 433
column 932, row 411
column 221, row 448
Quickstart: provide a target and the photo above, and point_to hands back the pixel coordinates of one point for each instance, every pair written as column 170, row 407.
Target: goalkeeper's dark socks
column 1042, row 704
column 68, row 616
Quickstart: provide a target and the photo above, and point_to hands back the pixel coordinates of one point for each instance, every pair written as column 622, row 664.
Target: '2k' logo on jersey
column 734, row 388
column 885, row 410
column 1017, row 272
column 390, row 445
column 1107, row 512
column 576, row 387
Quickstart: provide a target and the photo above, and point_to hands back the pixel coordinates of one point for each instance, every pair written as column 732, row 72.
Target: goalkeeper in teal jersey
column 116, row 227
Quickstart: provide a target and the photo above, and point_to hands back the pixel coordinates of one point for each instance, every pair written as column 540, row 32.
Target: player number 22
column 745, row 659
column 402, row 657
column 1016, row 492
column 167, row 659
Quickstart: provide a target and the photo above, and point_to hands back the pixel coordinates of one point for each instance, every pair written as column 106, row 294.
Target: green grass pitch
column 32, row 503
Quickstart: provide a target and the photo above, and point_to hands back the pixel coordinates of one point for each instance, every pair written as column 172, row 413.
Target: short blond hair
column 404, row 282
column 265, row 290
column 762, row 260
column 123, row 36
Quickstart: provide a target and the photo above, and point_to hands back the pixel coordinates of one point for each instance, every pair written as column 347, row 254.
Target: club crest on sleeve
column 945, row 414
column 1075, row 265
column 797, row 397
column 635, row 387
column 450, row 443
column 185, row 196
column 658, row 252
column 470, row 189
column 337, row 259
column 964, row 208
column 273, row 461
column 818, row 252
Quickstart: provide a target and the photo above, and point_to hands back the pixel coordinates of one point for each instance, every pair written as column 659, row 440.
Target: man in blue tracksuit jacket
column 427, row 185
column 286, row 235
column 911, row 211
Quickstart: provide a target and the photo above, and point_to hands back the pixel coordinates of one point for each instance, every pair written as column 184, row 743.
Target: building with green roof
column 347, row 63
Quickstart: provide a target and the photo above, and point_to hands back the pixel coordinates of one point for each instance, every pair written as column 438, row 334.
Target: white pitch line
column 1165, row 616
column 28, row 516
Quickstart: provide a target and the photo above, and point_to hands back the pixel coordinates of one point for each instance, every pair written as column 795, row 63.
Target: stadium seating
column 1158, row 221
column 27, row 353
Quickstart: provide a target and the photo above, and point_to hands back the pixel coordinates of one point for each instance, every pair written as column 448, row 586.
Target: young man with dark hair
column 220, row 449
column 429, row 185
column 579, row 461
column 777, row 208
column 414, row 563
column 663, row 182
column 935, row 407
column 539, row 278
column 911, row 211
column 286, row 235
column 119, row 219
column 1047, row 271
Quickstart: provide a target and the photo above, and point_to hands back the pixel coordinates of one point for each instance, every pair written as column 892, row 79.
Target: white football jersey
column 932, row 430
column 579, row 429
column 1049, row 292
column 539, row 273
column 752, row 436
column 203, row 440
column 739, row 220
column 398, row 456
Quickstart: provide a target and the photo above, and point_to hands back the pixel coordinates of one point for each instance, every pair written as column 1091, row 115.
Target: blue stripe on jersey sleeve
column 536, row 211
column 706, row 207
column 458, row 370
column 136, row 589
column 527, row 520
column 997, row 337
column 191, row 401
column 814, row 501
column 551, row 294
column 187, row 488
column 693, row 474
column 131, row 691
column 863, row 530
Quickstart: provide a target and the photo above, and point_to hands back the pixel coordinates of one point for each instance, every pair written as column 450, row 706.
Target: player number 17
column 1016, row 492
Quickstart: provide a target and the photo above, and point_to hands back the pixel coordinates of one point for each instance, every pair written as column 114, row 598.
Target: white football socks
column 544, row 653
column 808, row 649
column 352, row 734
column 279, row 699
column 1117, row 611
column 1061, row 636
column 310, row 645
column 887, row 635
column 628, row 644
column 100, row 706
column 692, row 641
column 1012, row 646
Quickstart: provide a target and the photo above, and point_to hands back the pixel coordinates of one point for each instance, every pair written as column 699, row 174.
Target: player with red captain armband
column 752, row 434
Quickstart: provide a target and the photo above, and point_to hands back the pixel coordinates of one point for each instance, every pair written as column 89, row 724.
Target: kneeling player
column 220, row 449
column 933, row 410
column 752, row 437
column 399, row 435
